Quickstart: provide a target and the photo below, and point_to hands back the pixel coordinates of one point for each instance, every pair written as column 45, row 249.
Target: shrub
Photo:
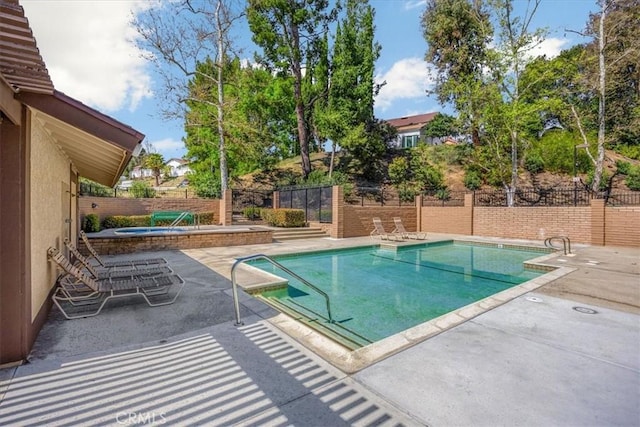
column 121, row 221
column 534, row 163
column 206, row 218
column 604, row 180
column 140, row 189
column 251, row 212
column 624, row 168
column 90, row 223
column 633, row 178
column 472, row 179
column 116, row 221
column 284, row 217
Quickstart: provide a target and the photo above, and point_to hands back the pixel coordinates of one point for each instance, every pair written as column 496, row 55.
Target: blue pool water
column 377, row 292
column 148, row 230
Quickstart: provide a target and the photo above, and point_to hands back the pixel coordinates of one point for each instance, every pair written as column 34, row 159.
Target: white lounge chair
column 407, row 234
column 379, row 231
column 82, row 296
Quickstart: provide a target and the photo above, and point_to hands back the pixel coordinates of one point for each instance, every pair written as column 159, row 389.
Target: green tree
column 614, row 74
column 184, row 34
column 348, row 120
column 289, row 33
column 442, row 125
column 155, row 162
column 458, row 33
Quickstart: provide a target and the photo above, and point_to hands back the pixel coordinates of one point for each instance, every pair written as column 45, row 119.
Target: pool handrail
column 566, row 243
column 179, row 219
column 234, row 284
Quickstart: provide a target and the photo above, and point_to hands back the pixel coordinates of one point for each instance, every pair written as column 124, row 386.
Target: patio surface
column 534, row 361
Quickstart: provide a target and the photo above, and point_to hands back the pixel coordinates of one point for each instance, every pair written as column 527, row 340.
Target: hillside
column 289, row 170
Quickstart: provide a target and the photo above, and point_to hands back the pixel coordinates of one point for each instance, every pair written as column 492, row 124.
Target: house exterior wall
column 50, row 198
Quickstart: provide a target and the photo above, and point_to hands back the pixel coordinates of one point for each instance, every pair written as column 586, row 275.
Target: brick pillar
column 597, row 222
column 226, row 208
column 419, row 213
column 276, row 199
column 337, row 212
column 468, row 207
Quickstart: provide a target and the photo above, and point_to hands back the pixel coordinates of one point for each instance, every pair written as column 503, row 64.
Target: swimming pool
column 148, row 230
column 376, row 292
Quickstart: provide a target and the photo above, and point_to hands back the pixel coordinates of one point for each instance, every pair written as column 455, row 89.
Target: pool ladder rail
column 179, row 219
column 234, row 284
column 566, row 243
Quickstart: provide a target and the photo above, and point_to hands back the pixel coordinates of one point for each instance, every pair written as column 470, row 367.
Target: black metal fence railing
column 627, row 198
column 534, row 197
column 317, row 202
column 377, row 196
column 251, row 198
column 88, row 189
column 554, row 197
column 448, row 199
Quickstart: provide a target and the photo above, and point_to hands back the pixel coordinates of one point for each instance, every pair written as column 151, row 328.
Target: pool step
column 298, row 233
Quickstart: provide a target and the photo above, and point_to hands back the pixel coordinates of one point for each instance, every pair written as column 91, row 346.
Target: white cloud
column 550, row 47
column 407, row 78
column 168, row 147
column 413, row 4
column 88, row 50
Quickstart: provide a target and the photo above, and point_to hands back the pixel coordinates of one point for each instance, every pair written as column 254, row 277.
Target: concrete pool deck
column 535, row 360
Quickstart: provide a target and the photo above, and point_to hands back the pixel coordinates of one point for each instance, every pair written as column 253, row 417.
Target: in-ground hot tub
column 140, row 239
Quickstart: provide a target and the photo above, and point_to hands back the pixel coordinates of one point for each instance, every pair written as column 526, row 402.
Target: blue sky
column 91, row 57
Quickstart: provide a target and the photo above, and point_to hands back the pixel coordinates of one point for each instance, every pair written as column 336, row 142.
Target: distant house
column 139, row 172
column 178, row 167
column 411, row 132
column 410, row 129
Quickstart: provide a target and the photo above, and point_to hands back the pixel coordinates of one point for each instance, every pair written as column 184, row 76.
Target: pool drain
column 534, row 299
column 585, row 310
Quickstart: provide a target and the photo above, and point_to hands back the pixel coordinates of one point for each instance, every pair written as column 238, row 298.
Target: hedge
column 283, row 217
column 122, row 221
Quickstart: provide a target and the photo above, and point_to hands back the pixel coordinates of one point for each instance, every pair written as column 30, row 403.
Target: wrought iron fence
column 88, row 189
column 376, row 196
column 554, row 197
column 626, row 198
column 251, row 198
column 316, row 202
column 448, row 199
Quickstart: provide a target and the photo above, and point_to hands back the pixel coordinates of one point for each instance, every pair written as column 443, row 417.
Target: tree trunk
column 224, row 173
column 597, row 176
column 303, row 133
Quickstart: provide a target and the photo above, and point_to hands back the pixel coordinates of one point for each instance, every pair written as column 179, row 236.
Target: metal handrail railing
column 179, row 219
column 234, row 284
column 566, row 243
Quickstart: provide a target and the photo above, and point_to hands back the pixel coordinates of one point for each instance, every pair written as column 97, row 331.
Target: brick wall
column 534, row 223
column 118, row 245
column 595, row 224
column 622, row 226
column 108, row 206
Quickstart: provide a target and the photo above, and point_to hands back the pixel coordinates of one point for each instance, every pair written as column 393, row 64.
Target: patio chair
column 129, row 271
column 133, row 263
column 93, row 294
column 407, row 234
column 379, row 231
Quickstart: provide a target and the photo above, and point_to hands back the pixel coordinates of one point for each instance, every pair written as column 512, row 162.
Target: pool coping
column 351, row 361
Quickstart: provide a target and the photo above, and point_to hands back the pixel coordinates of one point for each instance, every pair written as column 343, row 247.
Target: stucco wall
column 50, row 178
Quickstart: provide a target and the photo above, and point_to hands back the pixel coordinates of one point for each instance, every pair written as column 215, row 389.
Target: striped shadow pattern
column 195, row 381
